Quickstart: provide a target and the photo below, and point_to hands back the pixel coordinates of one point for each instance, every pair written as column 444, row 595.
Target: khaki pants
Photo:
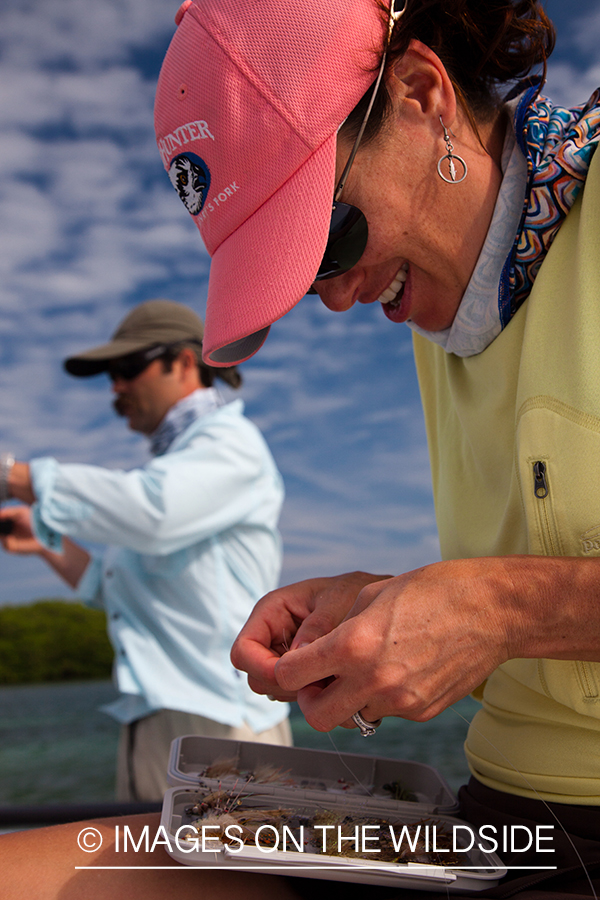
column 144, row 747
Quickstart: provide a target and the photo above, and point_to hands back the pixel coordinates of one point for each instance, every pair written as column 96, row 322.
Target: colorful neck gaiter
column 558, row 144
column 545, row 162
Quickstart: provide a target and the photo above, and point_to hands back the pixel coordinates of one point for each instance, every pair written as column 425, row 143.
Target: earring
column 451, row 157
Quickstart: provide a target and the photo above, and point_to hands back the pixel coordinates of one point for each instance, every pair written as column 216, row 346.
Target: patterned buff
column 558, row 144
column 181, row 416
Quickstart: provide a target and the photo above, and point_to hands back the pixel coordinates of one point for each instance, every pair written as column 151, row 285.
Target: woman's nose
column 340, row 293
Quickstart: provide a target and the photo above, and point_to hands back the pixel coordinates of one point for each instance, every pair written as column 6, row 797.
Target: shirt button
column 116, row 616
column 109, row 573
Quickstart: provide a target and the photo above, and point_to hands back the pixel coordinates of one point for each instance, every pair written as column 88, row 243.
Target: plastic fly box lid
column 318, row 776
column 299, row 847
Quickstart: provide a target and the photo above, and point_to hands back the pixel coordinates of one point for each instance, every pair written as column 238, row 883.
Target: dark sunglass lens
column 348, row 234
column 127, row 369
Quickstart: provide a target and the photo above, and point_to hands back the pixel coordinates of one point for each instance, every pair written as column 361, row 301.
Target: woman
column 474, row 219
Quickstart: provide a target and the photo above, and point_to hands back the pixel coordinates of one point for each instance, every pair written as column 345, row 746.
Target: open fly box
column 319, row 814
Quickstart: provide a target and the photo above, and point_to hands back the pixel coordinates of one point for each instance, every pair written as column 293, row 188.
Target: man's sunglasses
column 130, row 366
column 348, row 229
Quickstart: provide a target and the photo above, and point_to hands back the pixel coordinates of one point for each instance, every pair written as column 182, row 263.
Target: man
column 192, row 542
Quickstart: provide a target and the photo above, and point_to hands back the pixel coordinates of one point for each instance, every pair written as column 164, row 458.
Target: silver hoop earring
column 452, row 159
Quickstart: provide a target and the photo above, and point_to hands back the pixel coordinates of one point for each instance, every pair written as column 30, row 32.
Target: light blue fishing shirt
column 192, row 545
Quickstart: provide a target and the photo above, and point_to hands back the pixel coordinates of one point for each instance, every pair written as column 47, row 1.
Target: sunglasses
column 348, row 229
column 130, row 366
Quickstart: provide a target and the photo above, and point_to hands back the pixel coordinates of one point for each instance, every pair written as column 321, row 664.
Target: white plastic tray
column 311, row 774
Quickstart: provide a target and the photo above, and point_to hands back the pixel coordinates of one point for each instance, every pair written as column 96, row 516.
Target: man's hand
column 21, row 539
column 70, row 563
column 291, row 617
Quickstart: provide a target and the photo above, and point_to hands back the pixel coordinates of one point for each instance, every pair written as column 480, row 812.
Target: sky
column 90, row 226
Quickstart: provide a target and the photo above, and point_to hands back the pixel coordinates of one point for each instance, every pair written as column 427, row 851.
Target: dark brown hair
column 229, row 374
column 485, row 46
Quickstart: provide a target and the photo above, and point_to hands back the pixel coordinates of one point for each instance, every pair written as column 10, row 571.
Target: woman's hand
column 410, row 646
column 291, row 617
column 21, row 539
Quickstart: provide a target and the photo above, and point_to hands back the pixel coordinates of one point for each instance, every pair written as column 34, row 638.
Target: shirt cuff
column 52, row 514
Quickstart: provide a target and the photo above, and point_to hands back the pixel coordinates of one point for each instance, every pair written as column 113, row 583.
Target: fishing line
column 345, row 764
column 368, row 792
column 519, row 773
column 531, row 788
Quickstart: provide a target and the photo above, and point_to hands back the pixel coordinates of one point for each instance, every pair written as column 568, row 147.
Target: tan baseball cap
column 150, row 323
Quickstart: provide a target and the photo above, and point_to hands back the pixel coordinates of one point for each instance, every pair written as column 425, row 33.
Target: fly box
column 320, row 814
column 309, row 774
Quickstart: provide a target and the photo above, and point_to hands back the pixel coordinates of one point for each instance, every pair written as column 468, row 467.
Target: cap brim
column 94, row 361
column 268, row 264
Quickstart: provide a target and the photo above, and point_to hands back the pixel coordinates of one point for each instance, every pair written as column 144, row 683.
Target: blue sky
column 89, row 226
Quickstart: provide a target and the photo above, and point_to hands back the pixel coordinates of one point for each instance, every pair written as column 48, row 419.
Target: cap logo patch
column 192, row 131
column 190, row 176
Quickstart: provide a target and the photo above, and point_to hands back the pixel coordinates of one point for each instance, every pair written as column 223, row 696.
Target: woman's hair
column 485, row 46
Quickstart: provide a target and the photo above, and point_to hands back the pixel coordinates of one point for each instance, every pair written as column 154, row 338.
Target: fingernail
column 300, row 645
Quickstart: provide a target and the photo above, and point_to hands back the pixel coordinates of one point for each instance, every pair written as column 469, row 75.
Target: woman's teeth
column 390, row 294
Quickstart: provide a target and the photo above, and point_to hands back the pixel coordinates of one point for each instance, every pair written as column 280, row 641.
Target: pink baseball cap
column 249, row 101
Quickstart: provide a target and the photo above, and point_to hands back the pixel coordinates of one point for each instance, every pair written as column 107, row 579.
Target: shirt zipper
column 540, row 485
column 541, row 489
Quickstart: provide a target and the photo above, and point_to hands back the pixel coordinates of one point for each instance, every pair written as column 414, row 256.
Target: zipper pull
column 540, row 484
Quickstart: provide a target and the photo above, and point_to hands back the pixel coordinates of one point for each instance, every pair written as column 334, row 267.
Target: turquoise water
column 56, row 747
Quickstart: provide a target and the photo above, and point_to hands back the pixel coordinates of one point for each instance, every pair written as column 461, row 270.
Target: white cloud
column 586, row 32
column 574, row 69
column 568, row 86
column 81, row 33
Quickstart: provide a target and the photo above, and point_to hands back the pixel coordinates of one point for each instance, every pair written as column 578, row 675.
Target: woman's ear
column 421, row 87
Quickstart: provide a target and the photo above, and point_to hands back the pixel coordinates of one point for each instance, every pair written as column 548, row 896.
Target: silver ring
column 366, row 728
